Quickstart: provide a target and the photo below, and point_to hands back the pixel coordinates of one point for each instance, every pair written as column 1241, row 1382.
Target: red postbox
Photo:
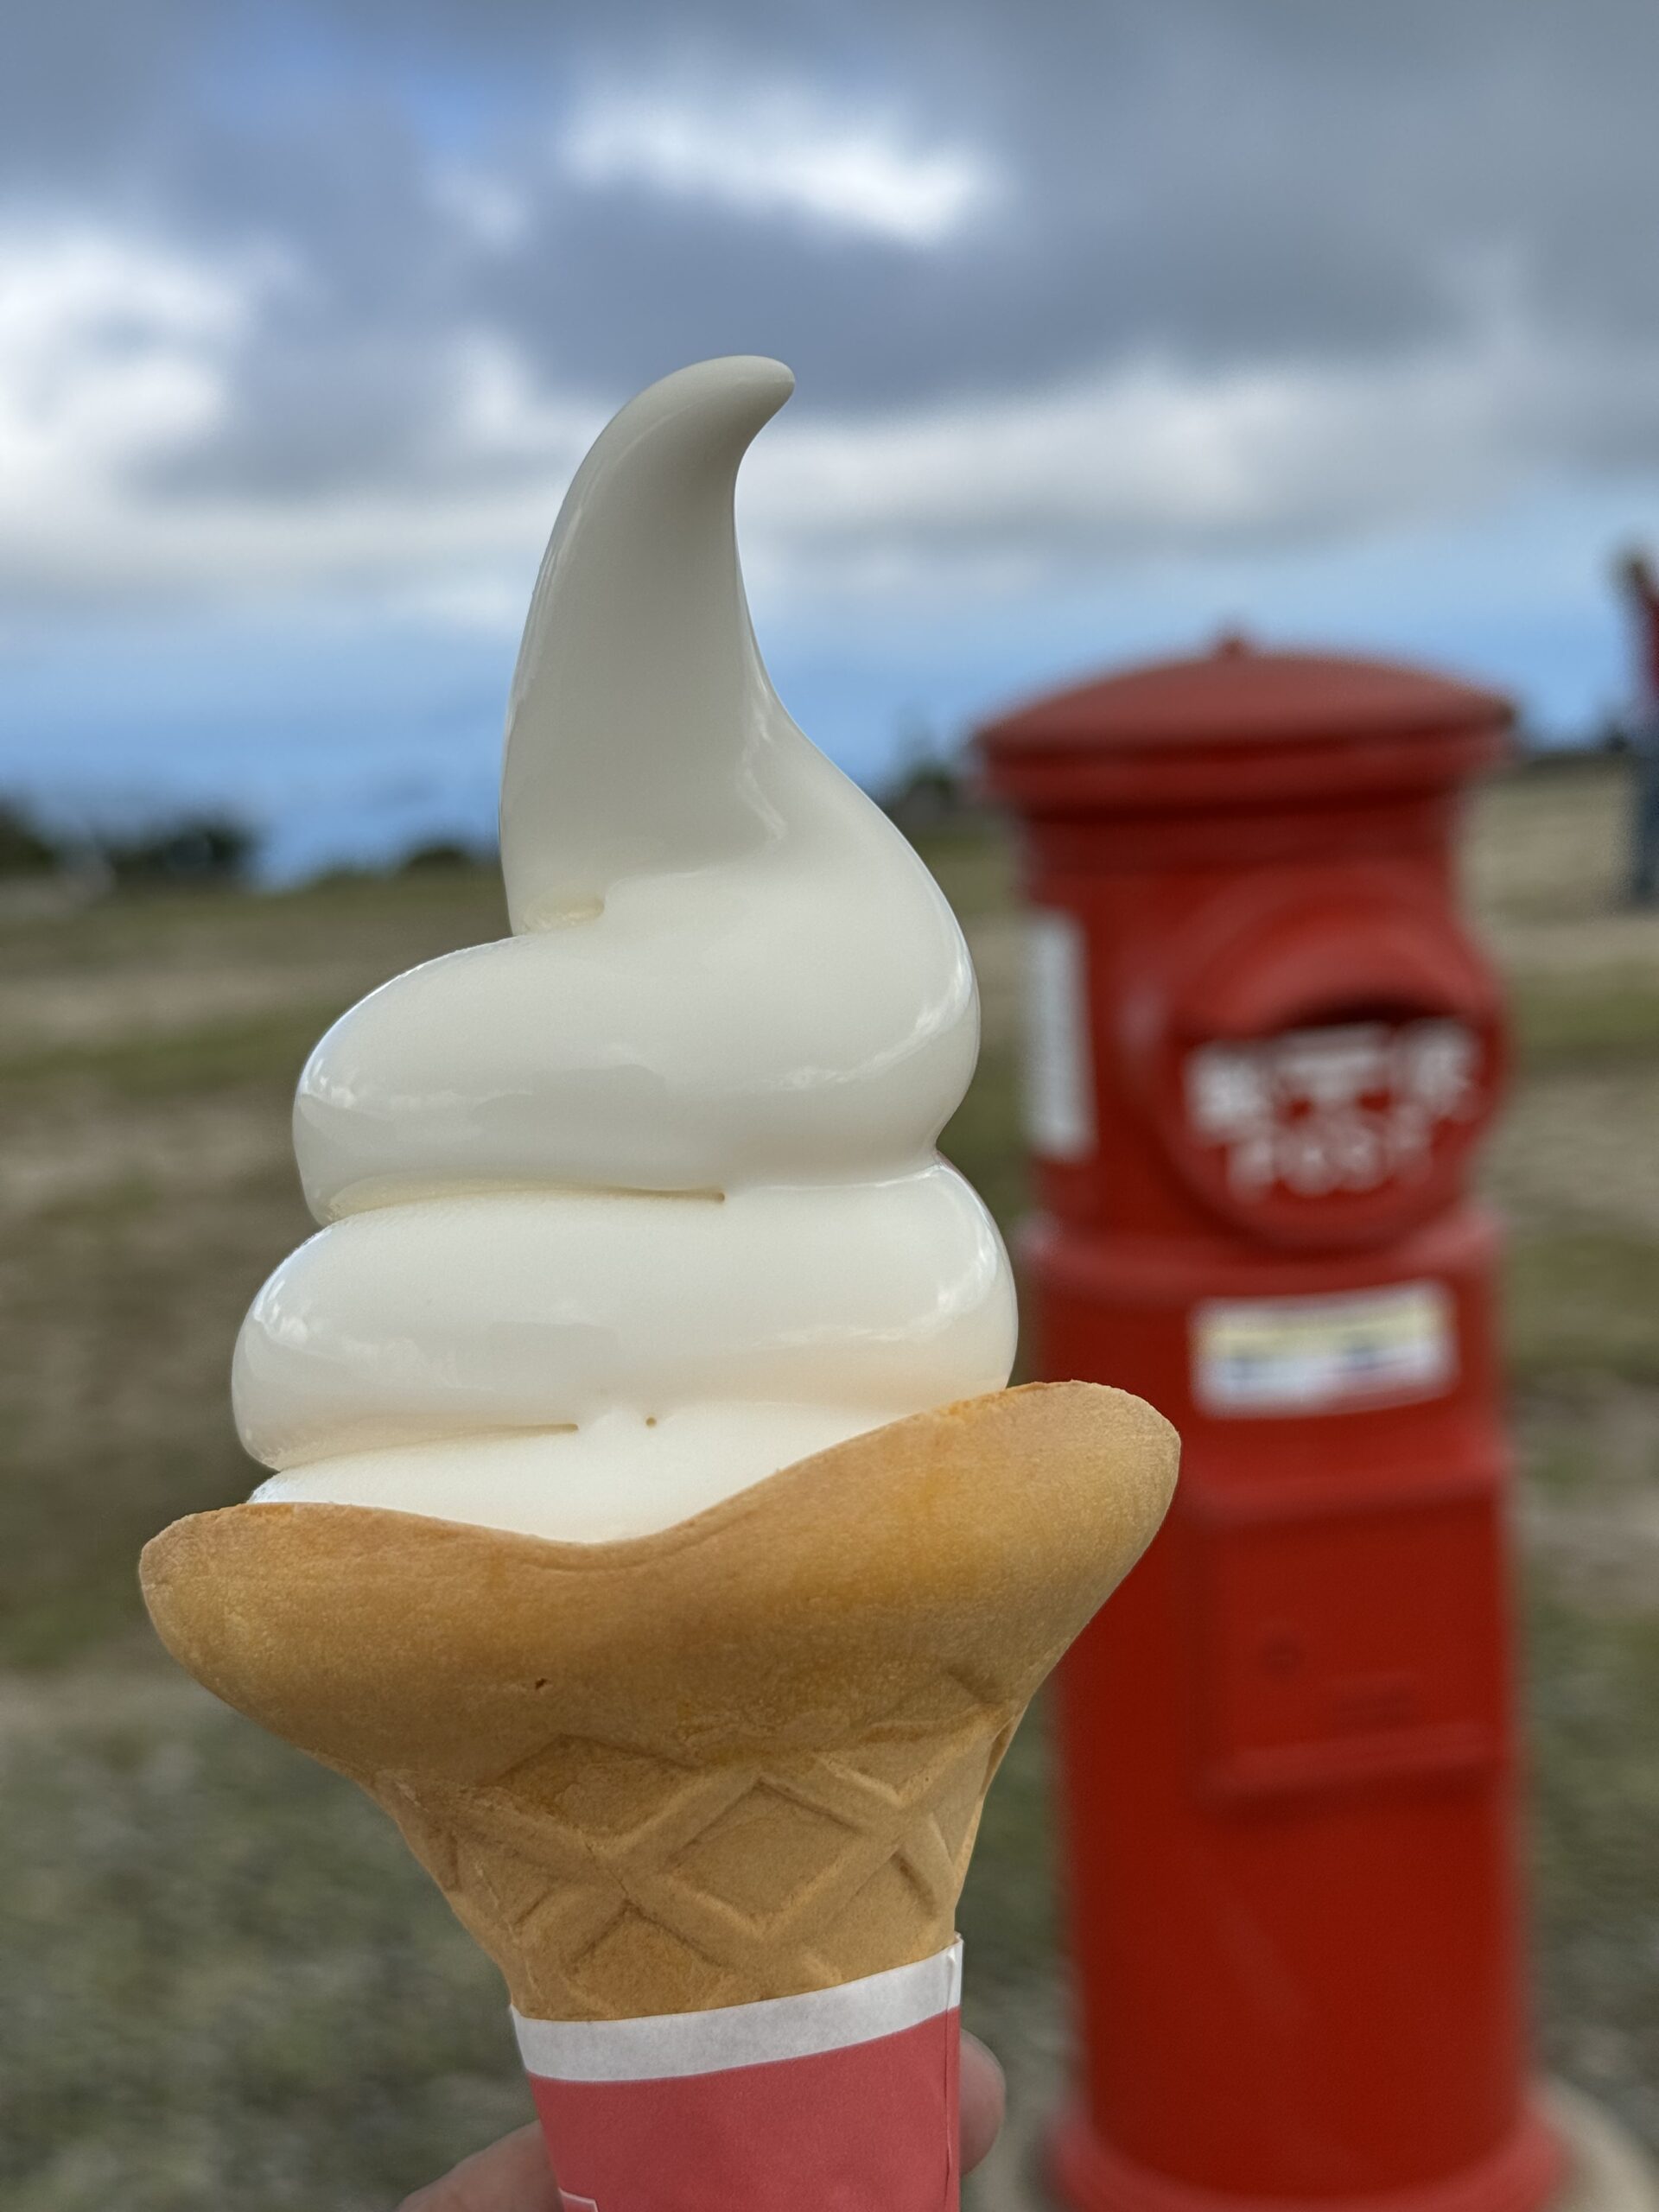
column 1263, row 1050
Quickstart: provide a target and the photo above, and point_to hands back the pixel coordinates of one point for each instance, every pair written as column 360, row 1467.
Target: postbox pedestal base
column 1087, row 2176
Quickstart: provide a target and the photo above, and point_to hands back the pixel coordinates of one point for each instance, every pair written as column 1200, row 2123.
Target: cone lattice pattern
column 736, row 1760
column 584, row 1867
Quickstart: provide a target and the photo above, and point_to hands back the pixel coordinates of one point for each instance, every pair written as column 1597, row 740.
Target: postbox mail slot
column 1348, row 1646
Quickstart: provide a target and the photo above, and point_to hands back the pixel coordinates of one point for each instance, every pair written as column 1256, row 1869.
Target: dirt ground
column 226, row 1983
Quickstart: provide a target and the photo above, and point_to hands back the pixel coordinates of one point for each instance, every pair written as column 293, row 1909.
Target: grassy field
column 225, row 1981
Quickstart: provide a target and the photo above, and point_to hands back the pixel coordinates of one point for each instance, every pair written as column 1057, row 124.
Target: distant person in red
column 1640, row 586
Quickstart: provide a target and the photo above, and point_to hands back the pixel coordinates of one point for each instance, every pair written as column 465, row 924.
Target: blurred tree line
column 208, row 849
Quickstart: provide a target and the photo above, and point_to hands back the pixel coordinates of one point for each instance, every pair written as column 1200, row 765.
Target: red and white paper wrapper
column 842, row 2100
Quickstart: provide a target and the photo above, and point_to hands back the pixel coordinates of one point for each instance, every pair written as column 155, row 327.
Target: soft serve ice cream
column 641, row 1205
column 623, row 1217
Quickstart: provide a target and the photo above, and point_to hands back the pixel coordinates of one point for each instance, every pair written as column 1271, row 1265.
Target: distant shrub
column 200, row 848
column 440, row 853
column 25, row 847
column 931, row 793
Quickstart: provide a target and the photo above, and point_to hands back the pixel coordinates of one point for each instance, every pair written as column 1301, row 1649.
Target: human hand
column 512, row 2175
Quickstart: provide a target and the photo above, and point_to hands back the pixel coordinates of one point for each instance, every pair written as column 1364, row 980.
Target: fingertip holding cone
column 741, row 1758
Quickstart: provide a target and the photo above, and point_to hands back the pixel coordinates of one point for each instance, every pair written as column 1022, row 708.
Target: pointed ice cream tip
column 640, row 699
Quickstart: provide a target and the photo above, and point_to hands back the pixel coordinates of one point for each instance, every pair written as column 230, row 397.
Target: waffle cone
column 738, row 1759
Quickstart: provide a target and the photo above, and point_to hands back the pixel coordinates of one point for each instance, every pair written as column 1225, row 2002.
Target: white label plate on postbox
column 1059, row 1101
column 1324, row 1355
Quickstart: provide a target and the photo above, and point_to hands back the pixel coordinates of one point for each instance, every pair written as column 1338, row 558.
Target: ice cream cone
column 736, row 1760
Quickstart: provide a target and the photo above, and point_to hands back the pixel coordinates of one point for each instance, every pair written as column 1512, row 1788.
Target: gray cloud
column 1369, row 211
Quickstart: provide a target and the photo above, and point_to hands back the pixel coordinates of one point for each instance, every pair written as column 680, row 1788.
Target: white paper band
column 673, row 2043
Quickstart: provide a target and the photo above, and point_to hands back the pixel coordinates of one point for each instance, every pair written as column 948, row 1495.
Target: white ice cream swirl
column 640, row 1204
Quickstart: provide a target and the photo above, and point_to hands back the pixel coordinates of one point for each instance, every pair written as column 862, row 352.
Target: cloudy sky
column 1113, row 324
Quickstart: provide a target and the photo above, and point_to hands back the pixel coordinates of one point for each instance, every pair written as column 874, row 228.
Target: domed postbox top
column 1238, row 693
column 1245, row 711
